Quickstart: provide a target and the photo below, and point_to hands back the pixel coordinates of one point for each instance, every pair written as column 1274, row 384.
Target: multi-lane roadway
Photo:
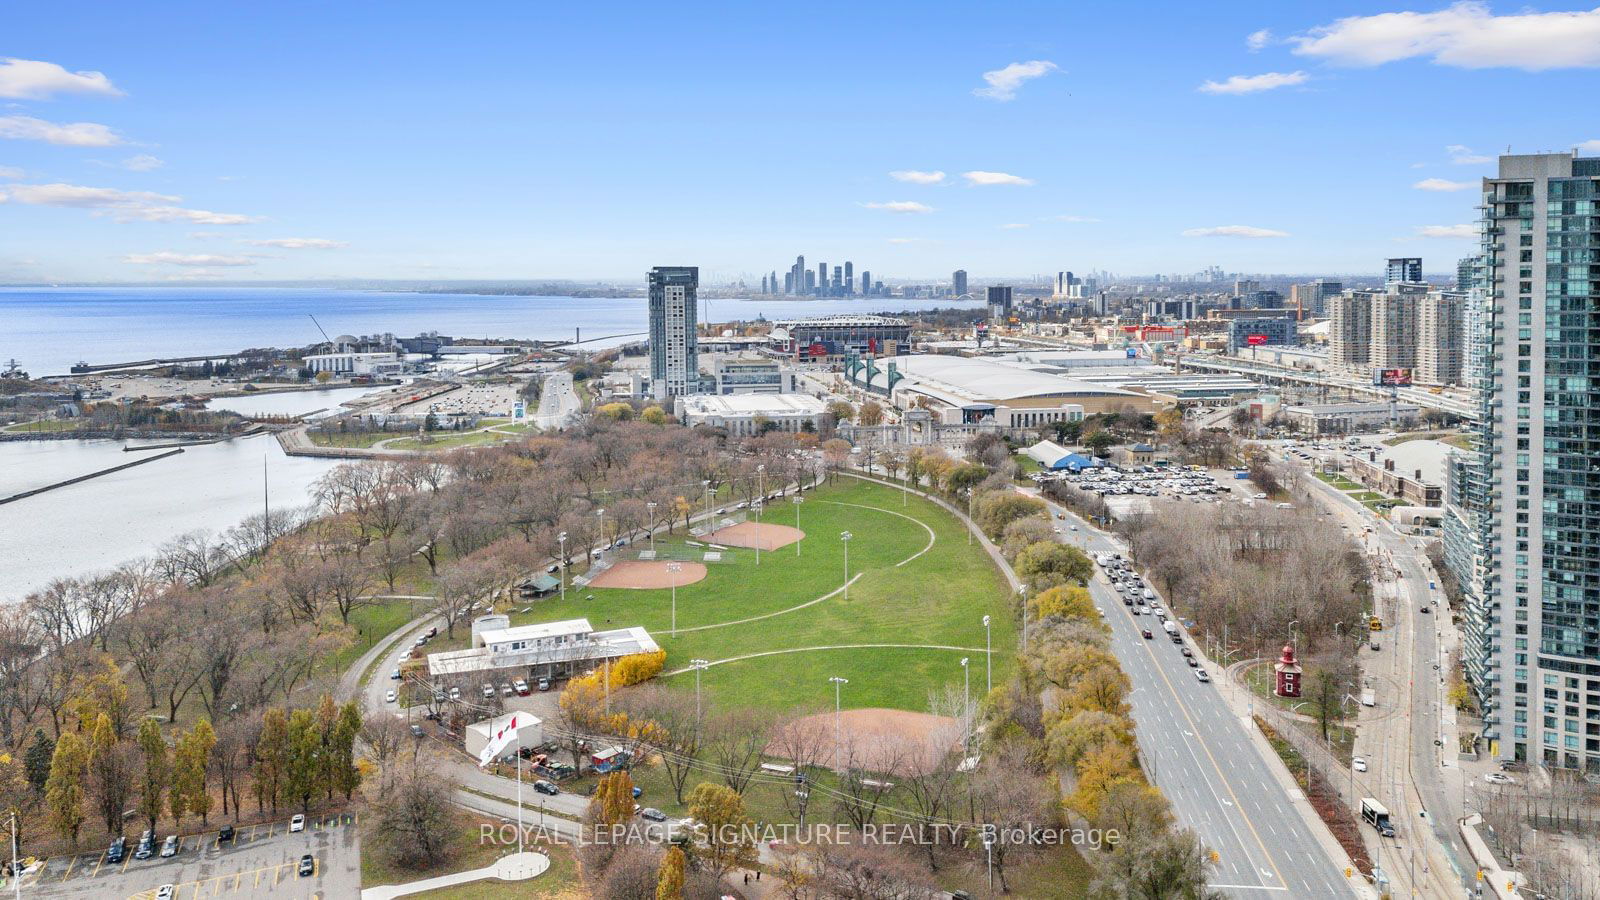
column 1208, row 760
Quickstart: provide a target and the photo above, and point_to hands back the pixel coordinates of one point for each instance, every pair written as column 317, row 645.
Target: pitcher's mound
column 640, row 573
column 747, row 534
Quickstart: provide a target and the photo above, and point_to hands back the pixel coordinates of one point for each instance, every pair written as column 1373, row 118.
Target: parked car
column 652, row 814
column 394, row 675
column 1499, row 778
column 147, row 845
column 546, row 787
column 505, row 690
column 488, row 692
column 308, row 865
column 169, row 847
column 521, row 687
column 544, row 684
column 117, row 851
column 298, row 823
column 455, row 693
column 1357, row 763
column 416, row 730
column 166, row 891
column 225, row 834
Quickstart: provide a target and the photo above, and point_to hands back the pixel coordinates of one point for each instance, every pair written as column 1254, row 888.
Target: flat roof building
column 541, row 650
column 745, row 414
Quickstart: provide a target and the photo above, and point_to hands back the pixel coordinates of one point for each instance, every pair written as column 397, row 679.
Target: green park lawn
column 359, row 439
column 938, row 598
column 450, row 441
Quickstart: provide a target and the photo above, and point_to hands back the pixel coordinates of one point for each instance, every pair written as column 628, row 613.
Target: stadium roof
column 962, row 380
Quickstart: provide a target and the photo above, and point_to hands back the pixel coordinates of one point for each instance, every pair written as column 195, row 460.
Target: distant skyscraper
column 799, row 271
column 866, row 283
column 837, row 285
column 958, row 282
column 999, row 302
column 849, row 277
column 822, row 278
column 1064, row 283
column 674, row 343
column 788, row 282
column 1404, row 269
column 1243, row 286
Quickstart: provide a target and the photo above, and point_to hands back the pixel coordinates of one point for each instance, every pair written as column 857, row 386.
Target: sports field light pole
column 652, row 507
column 988, row 656
column 562, row 537
column 673, row 569
column 699, row 666
column 838, row 682
column 601, row 515
column 966, row 710
column 757, row 507
column 797, row 501
column 844, row 536
column 706, row 484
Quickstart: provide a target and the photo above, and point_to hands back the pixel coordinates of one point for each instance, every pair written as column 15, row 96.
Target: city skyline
column 132, row 151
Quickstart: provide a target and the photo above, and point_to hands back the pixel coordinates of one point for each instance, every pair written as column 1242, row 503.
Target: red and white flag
column 499, row 736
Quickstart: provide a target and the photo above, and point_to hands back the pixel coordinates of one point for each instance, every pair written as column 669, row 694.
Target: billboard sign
column 1391, row 377
column 818, row 349
column 1255, row 340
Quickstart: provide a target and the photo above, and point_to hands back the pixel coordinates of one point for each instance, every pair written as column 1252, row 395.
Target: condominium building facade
column 1350, row 330
column 674, row 347
column 1404, row 326
column 1439, row 337
column 1526, row 540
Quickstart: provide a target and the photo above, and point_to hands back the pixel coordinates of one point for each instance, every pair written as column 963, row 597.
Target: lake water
column 104, row 521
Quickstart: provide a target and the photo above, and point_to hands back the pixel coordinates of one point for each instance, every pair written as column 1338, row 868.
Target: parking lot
column 261, row 861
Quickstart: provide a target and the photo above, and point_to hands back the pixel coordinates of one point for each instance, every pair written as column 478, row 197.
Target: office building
column 1064, row 284
column 674, row 351
column 788, row 282
column 751, row 373
column 822, row 278
column 1403, row 270
column 1525, row 531
column 866, row 283
column 352, row 363
column 837, row 286
column 999, row 297
column 849, row 277
column 1244, row 333
column 958, row 282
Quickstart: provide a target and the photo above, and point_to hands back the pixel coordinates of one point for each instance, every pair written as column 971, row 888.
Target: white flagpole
column 519, row 794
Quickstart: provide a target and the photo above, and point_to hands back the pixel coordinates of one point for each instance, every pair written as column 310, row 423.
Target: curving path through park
column 718, row 662
column 925, row 526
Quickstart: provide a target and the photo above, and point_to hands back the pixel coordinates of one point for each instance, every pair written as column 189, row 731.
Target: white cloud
column 72, row 134
column 31, row 79
column 1449, row 231
column 1003, row 83
column 1464, row 35
column 1074, row 219
column 1439, row 184
column 1015, row 225
column 915, row 177
column 171, row 258
column 10, row 172
column 299, row 243
column 1463, row 156
column 1589, row 147
column 992, row 178
column 901, row 206
column 123, row 206
column 1240, row 231
column 1250, row 84
column 144, row 162
column 1256, row 40
column 904, row 240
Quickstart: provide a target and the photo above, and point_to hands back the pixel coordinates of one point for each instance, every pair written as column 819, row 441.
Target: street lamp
column 699, row 665
column 838, row 682
column 1292, row 641
column 988, row 657
column 562, row 537
column 673, row 569
column 797, row 501
column 757, row 507
column 845, row 537
column 601, row 515
column 966, row 707
column 652, row 507
column 706, row 484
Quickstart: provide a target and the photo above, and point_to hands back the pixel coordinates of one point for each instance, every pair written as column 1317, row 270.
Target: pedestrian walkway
column 516, row 867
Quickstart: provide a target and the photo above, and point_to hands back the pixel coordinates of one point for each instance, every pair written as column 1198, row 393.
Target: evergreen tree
column 37, row 759
column 63, row 793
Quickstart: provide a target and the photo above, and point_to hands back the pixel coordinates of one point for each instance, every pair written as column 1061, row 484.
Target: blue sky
column 194, row 141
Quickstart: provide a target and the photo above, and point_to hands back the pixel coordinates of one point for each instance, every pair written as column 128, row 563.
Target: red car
column 1147, row 634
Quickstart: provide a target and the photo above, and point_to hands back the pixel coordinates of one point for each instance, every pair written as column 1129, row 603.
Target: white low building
column 355, row 363
column 543, row 650
column 744, row 414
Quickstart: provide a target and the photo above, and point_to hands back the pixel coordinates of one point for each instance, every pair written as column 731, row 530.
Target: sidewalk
column 516, row 867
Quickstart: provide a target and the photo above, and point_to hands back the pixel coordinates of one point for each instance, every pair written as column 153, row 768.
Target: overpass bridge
column 1453, row 404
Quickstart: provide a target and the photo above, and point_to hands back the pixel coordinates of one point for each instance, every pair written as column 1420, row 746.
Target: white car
column 390, row 697
column 298, row 823
column 1357, row 763
column 166, row 891
column 1202, row 675
column 1261, row 496
column 1497, row 778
